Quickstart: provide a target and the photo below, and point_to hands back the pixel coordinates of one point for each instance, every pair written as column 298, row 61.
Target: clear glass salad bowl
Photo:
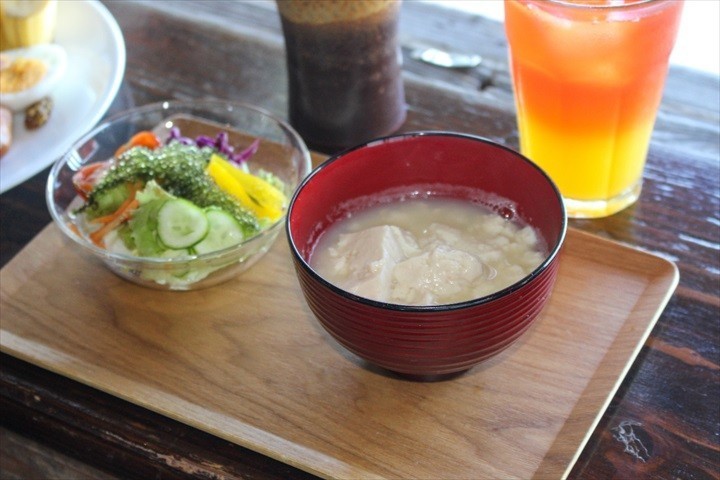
column 280, row 151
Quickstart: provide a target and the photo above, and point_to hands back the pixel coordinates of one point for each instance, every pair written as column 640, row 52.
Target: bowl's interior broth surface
column 428, row 251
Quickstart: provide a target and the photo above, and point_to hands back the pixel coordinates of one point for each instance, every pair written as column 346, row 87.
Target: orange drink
column 588, row 77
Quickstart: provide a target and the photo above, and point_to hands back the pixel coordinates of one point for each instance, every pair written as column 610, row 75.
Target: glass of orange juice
column 588, row 77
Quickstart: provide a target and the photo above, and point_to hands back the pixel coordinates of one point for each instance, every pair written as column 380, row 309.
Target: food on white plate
column 178, row 198
column 6, row 125
column 426, row 251
column 24, row 23
column 38, row 113
column 29, row 74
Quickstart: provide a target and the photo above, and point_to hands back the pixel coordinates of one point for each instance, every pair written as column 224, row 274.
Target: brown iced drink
column 344, row 70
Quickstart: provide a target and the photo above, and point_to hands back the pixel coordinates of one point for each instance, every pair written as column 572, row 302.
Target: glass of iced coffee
column 344, row 70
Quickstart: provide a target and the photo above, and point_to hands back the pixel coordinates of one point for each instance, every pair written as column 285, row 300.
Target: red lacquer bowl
column 426, row 340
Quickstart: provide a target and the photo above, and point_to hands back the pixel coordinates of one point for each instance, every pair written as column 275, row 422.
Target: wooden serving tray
column 248, row 362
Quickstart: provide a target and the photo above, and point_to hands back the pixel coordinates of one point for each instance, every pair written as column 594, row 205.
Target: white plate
column 96, row 64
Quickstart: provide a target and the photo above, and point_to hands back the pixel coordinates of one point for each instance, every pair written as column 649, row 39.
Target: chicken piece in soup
column 429, row 251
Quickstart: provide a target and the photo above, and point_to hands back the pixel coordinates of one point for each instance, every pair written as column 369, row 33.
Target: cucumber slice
column 225, row 231
column 181, row 223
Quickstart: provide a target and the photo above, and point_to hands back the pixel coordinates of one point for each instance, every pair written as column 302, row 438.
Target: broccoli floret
column 180, row 170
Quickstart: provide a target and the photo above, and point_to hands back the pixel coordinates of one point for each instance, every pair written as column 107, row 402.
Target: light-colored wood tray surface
column 248, row 362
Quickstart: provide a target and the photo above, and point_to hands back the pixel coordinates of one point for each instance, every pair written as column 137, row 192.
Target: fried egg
column 20, row 88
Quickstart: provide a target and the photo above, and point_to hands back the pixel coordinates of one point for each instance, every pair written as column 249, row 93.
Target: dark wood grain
column 662, row 423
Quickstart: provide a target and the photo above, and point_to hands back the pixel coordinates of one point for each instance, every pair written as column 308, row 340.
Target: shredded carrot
column 105, row 218
column 74, row 228
column 112, row 216
column 123, row 213
column 146, row 138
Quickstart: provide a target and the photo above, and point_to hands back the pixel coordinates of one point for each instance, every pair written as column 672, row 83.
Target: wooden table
column 54, row 427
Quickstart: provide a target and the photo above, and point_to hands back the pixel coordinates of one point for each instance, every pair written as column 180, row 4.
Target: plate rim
column 10, row 178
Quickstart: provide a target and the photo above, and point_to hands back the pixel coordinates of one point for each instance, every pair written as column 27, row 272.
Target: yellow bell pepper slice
column 259, row 196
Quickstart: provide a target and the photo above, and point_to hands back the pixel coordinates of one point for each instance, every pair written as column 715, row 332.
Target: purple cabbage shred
column 221, row 143
column 175, row 135
column 247, row 153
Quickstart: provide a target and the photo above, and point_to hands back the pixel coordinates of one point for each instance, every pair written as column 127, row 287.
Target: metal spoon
column 442, row 58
